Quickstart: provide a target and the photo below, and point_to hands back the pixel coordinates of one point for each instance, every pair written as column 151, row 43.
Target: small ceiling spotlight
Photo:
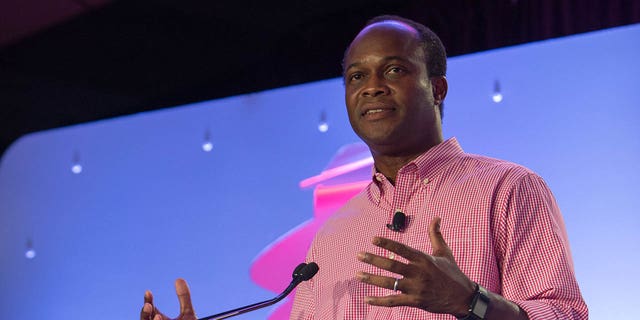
column 30, row 253
column 497, row 93
column 76, row 167
column 207, row 145
column 323, row 126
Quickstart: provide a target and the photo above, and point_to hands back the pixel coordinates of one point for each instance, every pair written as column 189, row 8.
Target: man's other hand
column 150, row 312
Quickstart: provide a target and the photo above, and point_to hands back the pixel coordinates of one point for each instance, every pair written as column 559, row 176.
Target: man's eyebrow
column 400, row 58
column 353, row 65
column 384, row 60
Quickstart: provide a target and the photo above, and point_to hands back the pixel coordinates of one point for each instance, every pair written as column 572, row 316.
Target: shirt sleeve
column 537, row 268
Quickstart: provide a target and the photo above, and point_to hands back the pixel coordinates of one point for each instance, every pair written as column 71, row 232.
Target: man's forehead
column 388, row 28
column 391, row 29
column 398, row 31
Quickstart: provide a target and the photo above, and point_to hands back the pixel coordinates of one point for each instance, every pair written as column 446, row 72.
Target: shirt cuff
column 546, row 310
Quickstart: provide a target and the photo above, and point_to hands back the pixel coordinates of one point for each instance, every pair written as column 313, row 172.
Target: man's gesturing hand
column 430, row 282
column 150, row 312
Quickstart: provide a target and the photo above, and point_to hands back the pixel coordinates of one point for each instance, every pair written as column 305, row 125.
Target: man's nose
column 375, row 86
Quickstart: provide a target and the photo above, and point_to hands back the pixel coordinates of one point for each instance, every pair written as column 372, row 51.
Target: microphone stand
column 302, row 272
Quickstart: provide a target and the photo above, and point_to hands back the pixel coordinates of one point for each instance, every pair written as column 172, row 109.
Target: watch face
column 480, row 309
column 480, row 303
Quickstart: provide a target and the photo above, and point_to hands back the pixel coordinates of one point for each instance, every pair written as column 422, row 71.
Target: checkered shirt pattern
column 499, row 219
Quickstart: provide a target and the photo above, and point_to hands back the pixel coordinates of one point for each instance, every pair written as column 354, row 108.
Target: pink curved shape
column 346, row 166
column 272, row 267
column 337, row 171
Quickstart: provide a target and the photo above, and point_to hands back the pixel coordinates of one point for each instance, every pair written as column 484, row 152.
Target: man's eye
column 396, row 70
column 356, row 76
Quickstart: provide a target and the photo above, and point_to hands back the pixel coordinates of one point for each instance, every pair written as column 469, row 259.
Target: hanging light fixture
column 30, row 253
column 323, row 126
column 76, row 167
column 497, row 93
column 207, row 145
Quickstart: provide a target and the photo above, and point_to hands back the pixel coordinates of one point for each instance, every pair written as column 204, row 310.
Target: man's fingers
column 145, row 313
column 389, row 301
column 184, row 296
column 147, row 309
column 407, row 252
column 148, row 297
column 439, row 246
column 380, row 281
column 383, row 263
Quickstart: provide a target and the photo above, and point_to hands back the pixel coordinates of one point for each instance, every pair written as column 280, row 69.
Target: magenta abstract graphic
column 346, row 175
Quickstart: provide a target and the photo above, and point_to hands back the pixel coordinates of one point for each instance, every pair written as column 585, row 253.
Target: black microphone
column 399, row 221
column 302, row 272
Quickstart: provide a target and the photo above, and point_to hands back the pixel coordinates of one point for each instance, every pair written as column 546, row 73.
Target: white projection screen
column 150, row 205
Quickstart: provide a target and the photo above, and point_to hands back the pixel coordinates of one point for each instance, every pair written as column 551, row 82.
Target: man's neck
column 390, row 164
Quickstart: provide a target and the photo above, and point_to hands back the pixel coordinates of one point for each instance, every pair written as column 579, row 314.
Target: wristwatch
column 479, row 304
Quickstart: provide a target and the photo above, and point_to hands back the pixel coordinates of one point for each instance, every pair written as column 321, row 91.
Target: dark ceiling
column 124, row 57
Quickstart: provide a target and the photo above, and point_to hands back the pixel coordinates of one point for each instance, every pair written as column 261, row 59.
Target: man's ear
column 440, row 87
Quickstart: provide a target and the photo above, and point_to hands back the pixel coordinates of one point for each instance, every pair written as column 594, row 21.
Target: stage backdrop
column 92, row 215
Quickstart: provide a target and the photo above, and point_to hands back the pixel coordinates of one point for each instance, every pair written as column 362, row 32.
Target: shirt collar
column 428, row 164
column 432, row 161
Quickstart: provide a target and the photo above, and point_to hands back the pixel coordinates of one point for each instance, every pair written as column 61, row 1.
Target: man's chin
column 380, row 143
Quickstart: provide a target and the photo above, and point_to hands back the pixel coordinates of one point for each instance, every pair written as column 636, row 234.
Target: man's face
column 388, row 93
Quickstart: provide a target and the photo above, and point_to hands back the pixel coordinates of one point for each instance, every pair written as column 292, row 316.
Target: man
column 483, row 239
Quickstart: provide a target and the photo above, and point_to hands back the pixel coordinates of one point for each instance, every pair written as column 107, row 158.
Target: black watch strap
column 479, row 304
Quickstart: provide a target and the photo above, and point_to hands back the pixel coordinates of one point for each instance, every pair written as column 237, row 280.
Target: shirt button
column 426, row 180
column 392, row 255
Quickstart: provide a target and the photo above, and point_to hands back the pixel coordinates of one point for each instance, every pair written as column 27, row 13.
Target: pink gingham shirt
column 500, row 220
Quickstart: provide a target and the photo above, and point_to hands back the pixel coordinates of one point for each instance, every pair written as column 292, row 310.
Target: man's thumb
column 439, row 246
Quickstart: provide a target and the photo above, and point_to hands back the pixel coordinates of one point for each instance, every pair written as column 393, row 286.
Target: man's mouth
column 374, row 111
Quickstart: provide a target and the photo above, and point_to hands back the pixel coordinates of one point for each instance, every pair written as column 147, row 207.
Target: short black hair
column 434, row 52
